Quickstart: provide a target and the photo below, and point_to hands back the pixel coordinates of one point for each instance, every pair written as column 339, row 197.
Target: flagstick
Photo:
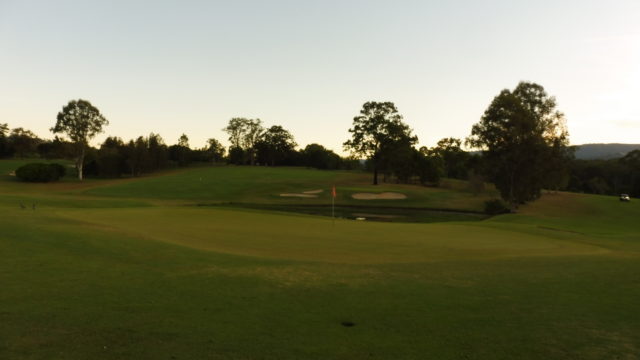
column 333, row 211
column 333, row 206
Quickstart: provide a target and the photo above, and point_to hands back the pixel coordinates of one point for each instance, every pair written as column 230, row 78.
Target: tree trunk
column 80, row 163
column 375, row 175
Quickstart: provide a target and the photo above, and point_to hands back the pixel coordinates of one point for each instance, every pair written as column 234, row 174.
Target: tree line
column 521, row 144
column 606, row 177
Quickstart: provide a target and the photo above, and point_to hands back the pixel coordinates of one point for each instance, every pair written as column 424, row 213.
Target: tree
column 158, row 152
column 275, row 144
column 4, row 143
column 110, row 159
column 317, row 156
column 23, row 143
column 454, row 159
column 519, row 133
column 632, row 164
column 80, row 121
column 181, row 152
column 378, row 125
column 244, row 134
column 215, row 150
column 183, row 141
column 429, row 167
column 56, row 149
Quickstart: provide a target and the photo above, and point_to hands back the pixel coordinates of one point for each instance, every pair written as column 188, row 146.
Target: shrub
column 60, row 169
column 38, row 172
column 495, row 207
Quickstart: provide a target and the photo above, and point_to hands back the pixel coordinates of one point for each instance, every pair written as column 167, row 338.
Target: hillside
column 604, row 151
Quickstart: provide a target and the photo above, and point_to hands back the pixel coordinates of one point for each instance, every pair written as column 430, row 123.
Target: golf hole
column 347, row 323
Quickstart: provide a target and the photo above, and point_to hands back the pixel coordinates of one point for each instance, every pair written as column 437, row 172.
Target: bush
column 60, row 169
column 495, row 207
column 37, row 172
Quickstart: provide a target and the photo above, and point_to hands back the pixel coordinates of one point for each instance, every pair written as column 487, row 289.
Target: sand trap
column 13, row 173
column 299, row 195
column 381, row 196
column 313, row 191
column 376, row 216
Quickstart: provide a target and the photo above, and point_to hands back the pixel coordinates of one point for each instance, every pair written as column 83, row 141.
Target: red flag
column 333, row 191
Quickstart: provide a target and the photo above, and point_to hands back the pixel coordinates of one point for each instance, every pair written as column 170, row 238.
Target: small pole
column 333, row 206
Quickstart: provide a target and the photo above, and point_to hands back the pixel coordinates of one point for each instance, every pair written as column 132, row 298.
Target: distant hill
column 604, row 151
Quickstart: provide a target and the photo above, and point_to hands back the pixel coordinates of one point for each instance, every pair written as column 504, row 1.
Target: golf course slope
column 203, row 263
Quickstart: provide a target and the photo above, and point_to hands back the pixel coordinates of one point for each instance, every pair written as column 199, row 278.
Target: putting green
column 307, row 238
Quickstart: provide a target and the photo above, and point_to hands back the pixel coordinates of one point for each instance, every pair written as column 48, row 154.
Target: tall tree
column 215, row 150
column 519, row 132
column 183, row 141
column 181, row 152
column 4, row 145
column 319, row 157
column 378, row 126
column 454, row 159
column 80, row 121
column 275, row 144
column 244, row 134
column 158, row 152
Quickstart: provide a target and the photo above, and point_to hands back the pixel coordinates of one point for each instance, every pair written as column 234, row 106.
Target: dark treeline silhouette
column 521, row 141
column 606, row 177
column 146, row 154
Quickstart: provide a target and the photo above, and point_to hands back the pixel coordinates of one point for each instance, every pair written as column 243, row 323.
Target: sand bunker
column 299, row 195
column 318, row 191
column 376, row 216
column 381, row 196
column 304, row 194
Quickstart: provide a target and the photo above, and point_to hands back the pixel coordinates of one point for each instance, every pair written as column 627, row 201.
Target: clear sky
column 174, row 67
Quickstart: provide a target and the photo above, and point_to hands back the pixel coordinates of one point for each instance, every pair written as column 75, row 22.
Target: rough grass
column 108, row 273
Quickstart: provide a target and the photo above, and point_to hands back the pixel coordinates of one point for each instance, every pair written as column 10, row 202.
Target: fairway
column 203, row 263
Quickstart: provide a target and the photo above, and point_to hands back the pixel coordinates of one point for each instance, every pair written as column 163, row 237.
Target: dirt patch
column 381, row 196
column 299, row 195
column 318, row 191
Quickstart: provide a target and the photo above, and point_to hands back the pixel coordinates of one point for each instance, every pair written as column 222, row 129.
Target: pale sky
column 173, row 67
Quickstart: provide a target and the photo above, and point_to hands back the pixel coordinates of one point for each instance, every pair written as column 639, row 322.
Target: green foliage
column 611, row 177
column 454, row 159
column 524, row 139
column 244, row 134
column 495, row 207
column 80, row 121
column 39, row 172
column 377, row 133
column 275, row 145
column 56, row 149
column 215, row 151
column 236, row 155
column 183, row 141
column 23, row 143
column 319, row 157
column 429, row 168
column 4, row 143
column 180, row 153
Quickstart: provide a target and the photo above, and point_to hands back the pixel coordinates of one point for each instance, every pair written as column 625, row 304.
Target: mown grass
column 263, row 185
column 104, row 272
